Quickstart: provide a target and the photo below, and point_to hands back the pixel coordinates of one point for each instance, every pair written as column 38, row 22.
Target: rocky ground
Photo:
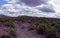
column 29, row 27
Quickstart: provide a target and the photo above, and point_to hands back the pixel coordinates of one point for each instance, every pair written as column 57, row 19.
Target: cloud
column 10, row 8
column 47, row 8
column 11, row 1
column 1, row 12
column 55, row 5
column 14, row 9
column 33, row 2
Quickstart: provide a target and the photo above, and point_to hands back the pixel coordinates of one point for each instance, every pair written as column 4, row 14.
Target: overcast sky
column 44, row 8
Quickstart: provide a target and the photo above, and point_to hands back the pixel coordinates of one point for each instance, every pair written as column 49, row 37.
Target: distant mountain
column 1, row 15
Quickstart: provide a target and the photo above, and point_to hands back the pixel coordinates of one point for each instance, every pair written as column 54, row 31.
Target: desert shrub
column 40, row 29
column 52, row 24
column 2, row 20
column 29, row 21
column 9, row 24
column 5, row 19
column 13, row 33
column 51, row 35
column 59, row 30
column 47, row 30
column 5, row 36
column 31, row 27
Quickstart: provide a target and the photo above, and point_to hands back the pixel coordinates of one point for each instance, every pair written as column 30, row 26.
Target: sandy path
column 23, row 32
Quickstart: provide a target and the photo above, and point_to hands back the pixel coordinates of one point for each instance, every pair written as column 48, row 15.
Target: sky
column 44, row 8
column 2, row 2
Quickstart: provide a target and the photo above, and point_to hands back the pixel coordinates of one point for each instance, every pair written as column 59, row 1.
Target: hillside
column 29, row 27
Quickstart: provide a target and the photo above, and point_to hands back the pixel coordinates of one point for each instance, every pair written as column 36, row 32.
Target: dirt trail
column 23, row 32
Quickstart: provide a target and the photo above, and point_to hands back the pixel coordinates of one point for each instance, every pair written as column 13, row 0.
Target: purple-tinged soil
column 24, row 32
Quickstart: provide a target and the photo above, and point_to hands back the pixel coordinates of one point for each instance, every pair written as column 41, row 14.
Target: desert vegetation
column 9, row 24
column 5, row 36
column 47, row 30
column 50, row 27
column 13, row 33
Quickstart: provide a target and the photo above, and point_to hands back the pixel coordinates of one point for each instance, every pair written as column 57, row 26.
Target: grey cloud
column 47, row 8
column 44, row 9
column 33, row 2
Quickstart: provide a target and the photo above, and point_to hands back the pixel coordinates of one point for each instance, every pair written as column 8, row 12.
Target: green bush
column 40, row 29
column 13, row 33
column 9, row 24
column 47, row 30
